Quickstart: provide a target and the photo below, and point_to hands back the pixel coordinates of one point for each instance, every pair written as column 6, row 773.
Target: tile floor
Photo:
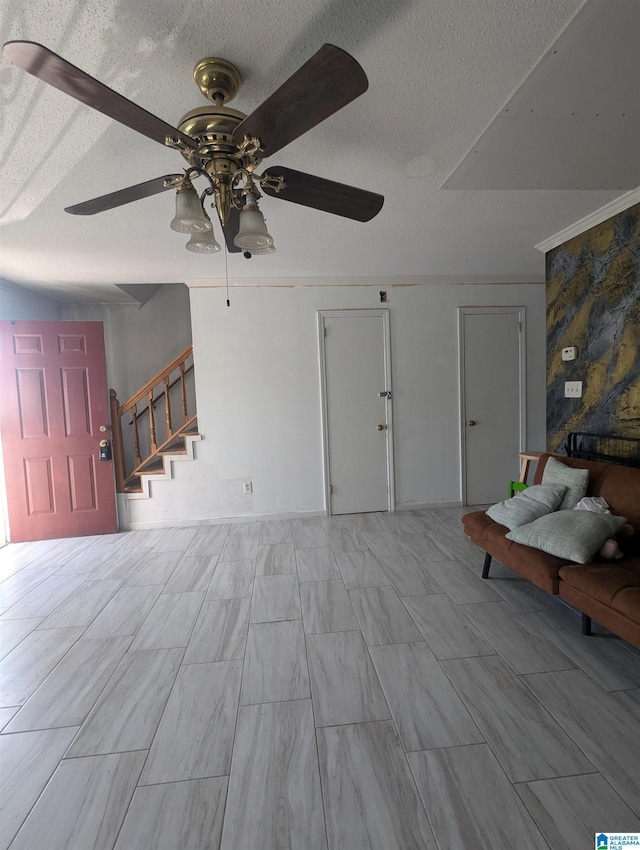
column 338, row 683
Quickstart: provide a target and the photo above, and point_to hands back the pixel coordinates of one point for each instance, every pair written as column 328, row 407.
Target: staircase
column 146, row 446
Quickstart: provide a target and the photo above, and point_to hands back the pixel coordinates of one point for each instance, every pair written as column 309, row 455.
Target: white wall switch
column 569, row 353
column 572, row 389
column 247, row 487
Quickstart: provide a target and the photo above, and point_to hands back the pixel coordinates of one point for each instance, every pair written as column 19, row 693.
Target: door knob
column 471, row 422
column 380, row 427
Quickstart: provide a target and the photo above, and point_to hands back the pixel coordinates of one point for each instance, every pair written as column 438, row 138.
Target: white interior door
column 492, row 401
column 357, row 420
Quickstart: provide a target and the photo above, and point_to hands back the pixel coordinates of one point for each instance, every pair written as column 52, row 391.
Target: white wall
column 20, row 304
column 258, row 391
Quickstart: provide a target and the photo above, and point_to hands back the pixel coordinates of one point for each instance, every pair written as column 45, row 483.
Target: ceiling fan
column 224, row 145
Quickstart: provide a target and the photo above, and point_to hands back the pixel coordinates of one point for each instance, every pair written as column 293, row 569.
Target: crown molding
column 607, row 211
column 427, row 280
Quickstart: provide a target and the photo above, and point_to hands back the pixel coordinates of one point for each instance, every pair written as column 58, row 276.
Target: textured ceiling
column 440, row 72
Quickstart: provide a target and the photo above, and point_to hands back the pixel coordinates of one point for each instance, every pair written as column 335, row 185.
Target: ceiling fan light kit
column 223, row 145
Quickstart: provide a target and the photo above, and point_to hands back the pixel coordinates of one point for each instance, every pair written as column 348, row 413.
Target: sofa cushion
column 574, row 535
column 607, row 583
column 575, row 480
column 534, row 502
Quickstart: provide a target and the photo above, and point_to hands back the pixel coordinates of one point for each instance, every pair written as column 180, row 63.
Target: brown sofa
column 607, row 591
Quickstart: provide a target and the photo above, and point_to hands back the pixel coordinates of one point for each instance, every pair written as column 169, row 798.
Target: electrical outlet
column 569, row 353
column 247, row 487
column 572, row 389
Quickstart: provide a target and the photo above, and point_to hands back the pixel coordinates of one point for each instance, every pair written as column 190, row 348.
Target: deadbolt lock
column 104, row 443
column 380, row 427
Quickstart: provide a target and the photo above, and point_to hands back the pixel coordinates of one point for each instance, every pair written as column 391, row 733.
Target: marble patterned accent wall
column 593, row 303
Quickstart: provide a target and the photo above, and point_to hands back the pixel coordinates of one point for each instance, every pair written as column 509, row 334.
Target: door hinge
column 331, row 489
column 519, row 327
column 324, row 328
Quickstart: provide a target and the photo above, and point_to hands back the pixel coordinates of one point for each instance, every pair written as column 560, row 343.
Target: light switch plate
column 572, row 389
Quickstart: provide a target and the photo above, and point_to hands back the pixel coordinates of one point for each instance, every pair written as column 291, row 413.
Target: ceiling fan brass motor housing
column 212, row 126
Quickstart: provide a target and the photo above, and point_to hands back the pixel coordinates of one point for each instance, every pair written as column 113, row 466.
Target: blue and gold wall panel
column 593, row 303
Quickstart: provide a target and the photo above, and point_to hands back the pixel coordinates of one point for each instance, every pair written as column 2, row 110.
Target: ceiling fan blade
column 230, row 230
column 57, row 72
column 123, row 196
column 324, row 84
column 326, row 195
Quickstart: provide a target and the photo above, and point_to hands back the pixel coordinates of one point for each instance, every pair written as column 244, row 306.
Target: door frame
column 356, row 313
column 521, row 312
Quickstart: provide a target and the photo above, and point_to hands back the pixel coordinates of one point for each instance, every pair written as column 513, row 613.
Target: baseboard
column 191, row 522
column 418, row 506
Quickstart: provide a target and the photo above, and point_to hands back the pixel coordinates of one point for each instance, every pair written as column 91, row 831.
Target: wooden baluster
column 167, row 407
column 152, row 422
column 136, row 436
column 118, row 446
column 185, row 413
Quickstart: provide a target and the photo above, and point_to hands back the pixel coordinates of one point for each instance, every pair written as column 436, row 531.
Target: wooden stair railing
column 149, row 395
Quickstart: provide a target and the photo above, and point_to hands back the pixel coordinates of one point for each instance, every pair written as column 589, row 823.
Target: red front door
column 54, row 400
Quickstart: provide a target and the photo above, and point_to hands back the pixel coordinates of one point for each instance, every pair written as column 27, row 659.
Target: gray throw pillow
column 574, row 535
column 575, row 480
column 528, row 505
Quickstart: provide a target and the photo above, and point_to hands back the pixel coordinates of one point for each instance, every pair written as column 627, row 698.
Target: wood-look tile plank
column 460, row 583
column 170, row 622
column 193, row 573
column 6, row 714
column 231, row 580
column 326, row 607
column 345, row 539
column 427, row 711
column 630, row 700
column 344, row 683
column 177, row 539
column 153, row 568
column 175, row 816
column 523, row 647
column 317, row 564
column 123, row 565
column 275, row 666
column 84, row 804
column 527, row 742
column 470, row 802
column 275, row 559
column 384, row 543
column 220, row 632
column 360, row 569
column 146, row 538
column 404, row 522
column 127, row 713
column 82, row 606
column 13, row 632
column 408, row 577
column 246, row 529
column 382, row 616
column 89, row 561
column 195, row 736
column 461, row 549
column 277, row 531
column 24, row 669
column 44, row 598
column 125, row 613
column 275, row 597
column 609, row 663
column 424, row 547
column 522, row 595
column 20, row 584
column 240, row 547
column 445, row 628
column 28, row 761
column 605, row 731
column 569, row 811
column 68, row 694
column 370, row 797
column 274, row 798
column 307, row 536
column 209, row 540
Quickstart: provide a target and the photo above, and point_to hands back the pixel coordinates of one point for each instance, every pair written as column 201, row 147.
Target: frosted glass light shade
column 189, row 217
column 252, row 234
column 203, row 243
column 265, row 249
